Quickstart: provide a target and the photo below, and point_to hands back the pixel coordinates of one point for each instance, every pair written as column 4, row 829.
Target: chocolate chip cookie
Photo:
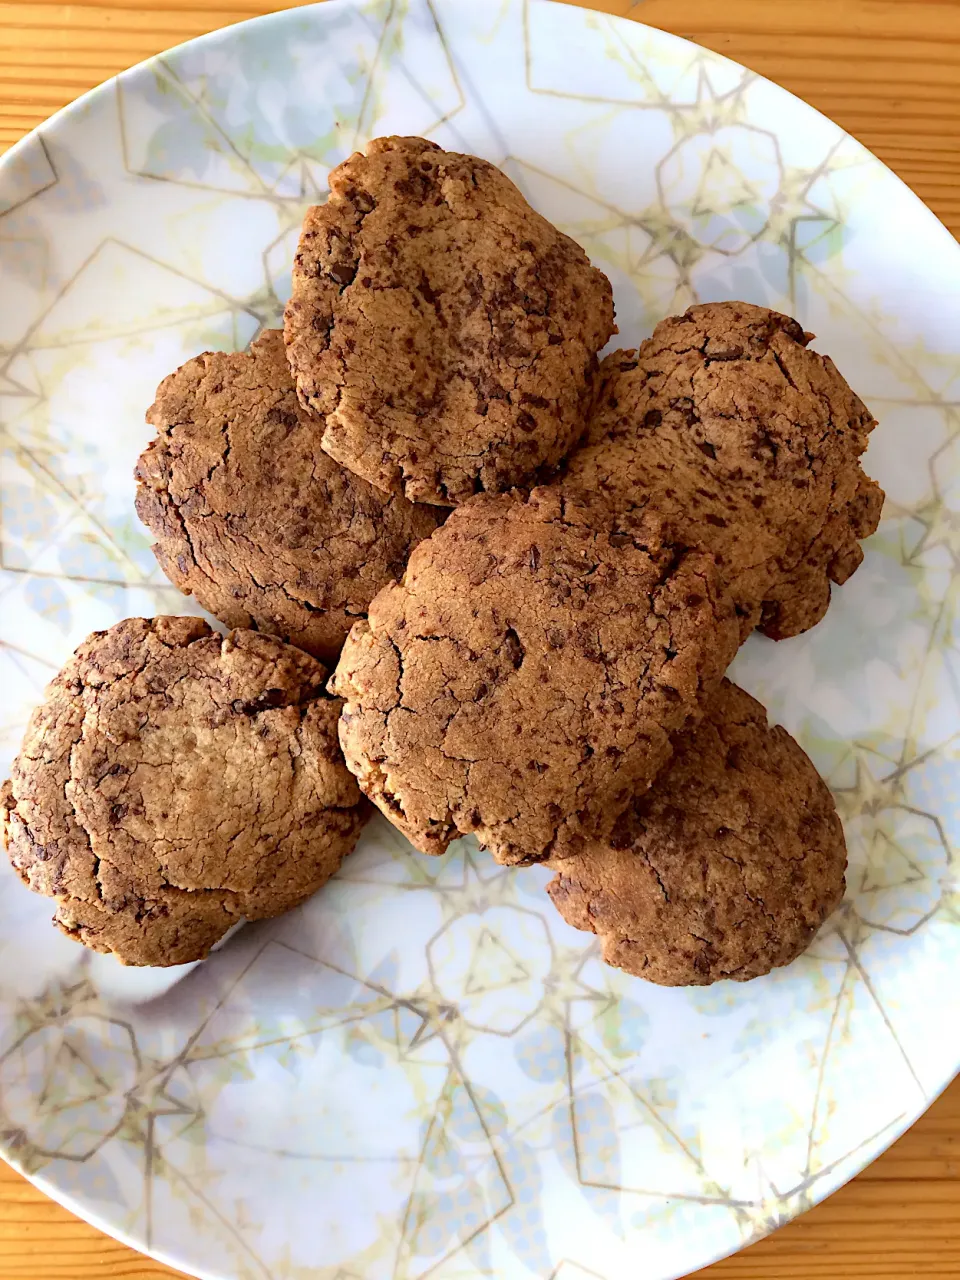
column 252, row 518
column 725, row 868
column 729, row 425
column 174, row 781
column 524, row 680
column 443, row 330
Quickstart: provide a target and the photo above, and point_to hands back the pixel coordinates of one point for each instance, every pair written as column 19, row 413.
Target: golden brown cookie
column 725, row 868
column 175, row 781
column 730, row 426
column 252, row 518
column 525, row 678
column 445, row 332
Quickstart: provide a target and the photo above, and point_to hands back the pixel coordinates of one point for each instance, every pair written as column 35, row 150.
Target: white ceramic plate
column 425, row 1072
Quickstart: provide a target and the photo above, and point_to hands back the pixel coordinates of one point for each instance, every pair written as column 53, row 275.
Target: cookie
column 175, row 781
column 445, row 332
column 725, row 868
column 524, row 679
column 252, row 518
column 730, row 426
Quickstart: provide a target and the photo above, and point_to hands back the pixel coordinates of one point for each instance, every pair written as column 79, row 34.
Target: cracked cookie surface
column 729, row 425
column 725, row 868
column 445, row 332
column 523, row 682
column 175, row 780
column 252, row 518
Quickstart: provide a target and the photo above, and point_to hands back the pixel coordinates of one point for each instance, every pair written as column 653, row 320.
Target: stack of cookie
column 542, row 667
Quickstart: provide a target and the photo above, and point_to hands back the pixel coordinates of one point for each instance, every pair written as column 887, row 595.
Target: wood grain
column 888, row 71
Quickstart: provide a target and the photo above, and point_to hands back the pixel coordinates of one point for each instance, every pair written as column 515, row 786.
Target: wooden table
column 888, row 71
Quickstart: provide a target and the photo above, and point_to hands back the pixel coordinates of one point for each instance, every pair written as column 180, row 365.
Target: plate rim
column 279, row 16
